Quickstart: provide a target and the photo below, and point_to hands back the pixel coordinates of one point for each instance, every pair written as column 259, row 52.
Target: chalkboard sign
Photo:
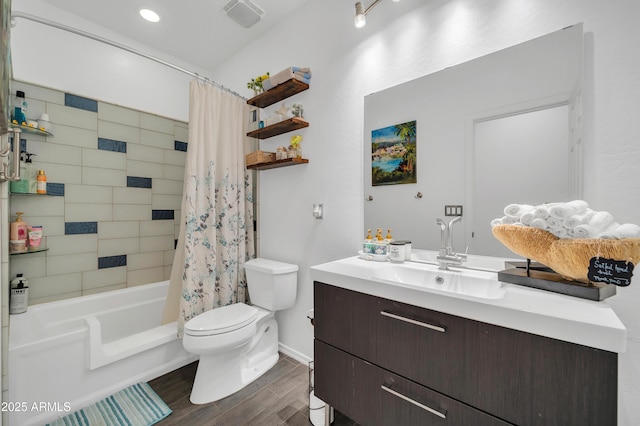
column 610, row 271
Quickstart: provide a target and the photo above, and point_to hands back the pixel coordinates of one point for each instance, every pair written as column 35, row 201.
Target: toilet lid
column 221, row 320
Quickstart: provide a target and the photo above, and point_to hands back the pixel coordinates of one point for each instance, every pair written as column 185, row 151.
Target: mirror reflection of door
column 522, row 158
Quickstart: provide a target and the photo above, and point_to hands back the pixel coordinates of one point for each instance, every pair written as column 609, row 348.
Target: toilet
column 238, row 343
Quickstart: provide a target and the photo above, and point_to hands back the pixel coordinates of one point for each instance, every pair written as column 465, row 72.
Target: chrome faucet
column 446, row 255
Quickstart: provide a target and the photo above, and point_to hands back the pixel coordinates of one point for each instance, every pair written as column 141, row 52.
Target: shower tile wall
column 110, row 217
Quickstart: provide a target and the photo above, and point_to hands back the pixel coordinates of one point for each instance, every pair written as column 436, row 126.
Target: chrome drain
column 439, row 279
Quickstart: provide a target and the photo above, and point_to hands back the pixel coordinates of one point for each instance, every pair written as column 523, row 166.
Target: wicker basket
column 568, row 257
column 259, row 157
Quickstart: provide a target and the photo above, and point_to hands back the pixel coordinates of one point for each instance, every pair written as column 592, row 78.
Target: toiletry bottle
column 31, row 174
column 18, row 228
column 389, row 238
column 20, row 108
column 19, row 295
column 42, row 182
column 367, row 246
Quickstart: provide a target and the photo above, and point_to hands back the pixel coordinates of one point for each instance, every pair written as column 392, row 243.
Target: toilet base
column 221, row 375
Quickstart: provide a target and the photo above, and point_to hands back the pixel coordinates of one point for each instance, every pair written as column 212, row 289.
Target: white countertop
column 567, row 318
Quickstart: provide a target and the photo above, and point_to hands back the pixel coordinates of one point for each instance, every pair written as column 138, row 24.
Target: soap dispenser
column 20, row 186
column 31, row 174
column 18, row 229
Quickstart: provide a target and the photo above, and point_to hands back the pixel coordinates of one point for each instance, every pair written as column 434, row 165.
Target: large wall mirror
column 504, row 128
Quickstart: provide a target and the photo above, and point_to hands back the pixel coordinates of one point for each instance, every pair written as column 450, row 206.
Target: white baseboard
column 298, row 356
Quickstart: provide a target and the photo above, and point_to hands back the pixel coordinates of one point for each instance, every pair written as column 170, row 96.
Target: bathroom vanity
column 408, row 344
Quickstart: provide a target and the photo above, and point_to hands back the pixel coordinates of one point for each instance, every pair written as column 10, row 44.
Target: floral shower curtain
column 216, row 231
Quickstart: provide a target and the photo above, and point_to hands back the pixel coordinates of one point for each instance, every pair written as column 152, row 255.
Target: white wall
column 401, row 41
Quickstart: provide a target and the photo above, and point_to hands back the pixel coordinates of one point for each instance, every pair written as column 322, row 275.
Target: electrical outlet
column 452, row 210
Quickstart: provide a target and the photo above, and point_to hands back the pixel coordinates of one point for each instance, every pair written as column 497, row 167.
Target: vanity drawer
column 370, row 395
column 519, row 377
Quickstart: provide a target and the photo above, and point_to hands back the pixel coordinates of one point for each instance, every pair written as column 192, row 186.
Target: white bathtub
column 65, row 355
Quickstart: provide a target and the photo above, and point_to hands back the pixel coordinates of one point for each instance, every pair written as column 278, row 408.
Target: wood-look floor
column 279, row 397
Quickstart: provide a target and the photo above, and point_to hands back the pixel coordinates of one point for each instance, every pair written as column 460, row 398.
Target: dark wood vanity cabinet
column 382, row 362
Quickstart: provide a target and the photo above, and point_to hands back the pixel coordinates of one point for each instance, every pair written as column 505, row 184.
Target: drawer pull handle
column 412, row 321
column 416, row 403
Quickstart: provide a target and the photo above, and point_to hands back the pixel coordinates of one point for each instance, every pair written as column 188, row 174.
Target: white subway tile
column 104, row 159
column 57, row 265
column 119, row 229
column 59, row 284
column 131, row 212
column 33, row 91
column 166, row 202
column 145, row 276
column 144, row 169
column 36, row 205
column 82, row 212
column 51, row 225
column 74, row 117
column 167, row 187
column 74, row 136
column 72, row 244
column 104, row 277
column 150, row 228
column 168, row 257
column 181, row 131
column 149, row 154
column 88, row 194
column 157, row 243
column 167, row 272
column 173, row 172
column 46, row 152
column 157, row 139
column 118, row 246
column 61, row 173
column 144, row 260
column 118, row 114
column 156, row 123
column 131, row 195
column 118, row 132
column 30, row 265
column 104, row 177
column 176, row 158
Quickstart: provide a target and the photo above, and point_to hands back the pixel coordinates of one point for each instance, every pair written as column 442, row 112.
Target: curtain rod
column 17, row 14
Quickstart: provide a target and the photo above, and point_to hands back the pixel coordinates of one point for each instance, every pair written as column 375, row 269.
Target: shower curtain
column 216, row 230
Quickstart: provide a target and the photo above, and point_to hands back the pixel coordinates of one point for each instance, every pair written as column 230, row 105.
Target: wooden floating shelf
column 284, row 126
column 278, row 163
column 278, row 93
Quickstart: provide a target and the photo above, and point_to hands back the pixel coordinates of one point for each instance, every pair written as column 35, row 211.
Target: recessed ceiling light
column 149, row 15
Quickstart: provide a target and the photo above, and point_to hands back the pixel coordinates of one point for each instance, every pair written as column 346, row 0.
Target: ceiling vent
column 245, row 12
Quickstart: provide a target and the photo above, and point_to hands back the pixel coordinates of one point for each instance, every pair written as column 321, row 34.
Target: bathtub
column 65, row 355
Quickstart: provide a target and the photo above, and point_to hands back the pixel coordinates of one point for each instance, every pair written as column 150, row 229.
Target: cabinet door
column 370, row 395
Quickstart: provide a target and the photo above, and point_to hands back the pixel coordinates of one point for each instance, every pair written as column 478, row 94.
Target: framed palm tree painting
column 393, row 154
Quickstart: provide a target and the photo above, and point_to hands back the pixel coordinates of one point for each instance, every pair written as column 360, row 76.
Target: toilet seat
column 221, row 320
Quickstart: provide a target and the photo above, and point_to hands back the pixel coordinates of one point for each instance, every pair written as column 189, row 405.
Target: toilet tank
column 272, row 285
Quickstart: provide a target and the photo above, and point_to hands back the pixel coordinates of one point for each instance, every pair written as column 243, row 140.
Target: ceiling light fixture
column 149, row 15
column 361, row 13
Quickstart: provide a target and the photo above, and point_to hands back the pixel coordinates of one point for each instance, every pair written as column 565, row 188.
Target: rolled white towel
column 496, row 222
column 626, row 230
column 599, row 222
column 554, row 223
column 564, row 210
column 508, row 220
column 517, row 209
column 539, row 223
column 559, row 232
column 527, row 218
column 608, row 232
column 578, row 219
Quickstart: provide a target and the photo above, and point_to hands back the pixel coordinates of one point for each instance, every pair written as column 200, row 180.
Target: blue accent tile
column 55, row 189
column 162, row 214
column 23, row 144
column 80, row 102
column 112, row 145
column 138, row 182
column 112, row 261
column 74, row 228
column 180, row 146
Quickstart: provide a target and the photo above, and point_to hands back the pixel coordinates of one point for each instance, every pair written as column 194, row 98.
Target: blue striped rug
column 137, row 405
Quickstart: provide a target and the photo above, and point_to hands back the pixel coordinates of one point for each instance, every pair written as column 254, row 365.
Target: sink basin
column 464, row 282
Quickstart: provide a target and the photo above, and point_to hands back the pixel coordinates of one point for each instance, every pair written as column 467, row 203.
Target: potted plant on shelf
column 256, row 83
